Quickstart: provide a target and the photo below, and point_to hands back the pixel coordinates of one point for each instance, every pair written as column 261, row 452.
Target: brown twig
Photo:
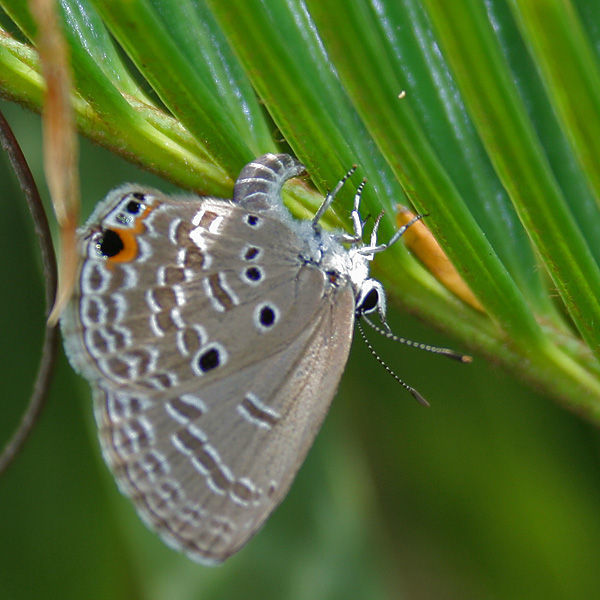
column 49, row 346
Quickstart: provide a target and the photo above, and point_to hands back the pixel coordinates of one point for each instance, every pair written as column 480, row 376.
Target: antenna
column 418, row 397
column 464, row 358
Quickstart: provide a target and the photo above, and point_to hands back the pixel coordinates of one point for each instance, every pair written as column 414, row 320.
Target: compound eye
column 370, row 302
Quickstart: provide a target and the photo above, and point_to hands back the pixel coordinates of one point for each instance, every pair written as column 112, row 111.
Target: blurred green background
column 493, row 492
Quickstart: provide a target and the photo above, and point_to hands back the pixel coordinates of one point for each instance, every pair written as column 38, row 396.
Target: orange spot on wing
column 129, row 239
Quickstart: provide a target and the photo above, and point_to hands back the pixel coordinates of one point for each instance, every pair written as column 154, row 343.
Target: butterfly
column 214, row 334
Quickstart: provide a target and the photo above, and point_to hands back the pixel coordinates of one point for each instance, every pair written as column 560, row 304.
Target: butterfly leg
column 373, row 248
column 330, row 197
column 357, row 223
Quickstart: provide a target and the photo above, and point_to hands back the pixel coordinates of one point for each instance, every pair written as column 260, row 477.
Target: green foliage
column 494, row 140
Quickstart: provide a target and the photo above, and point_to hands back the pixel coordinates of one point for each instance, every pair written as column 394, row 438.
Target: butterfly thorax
column 341, row 265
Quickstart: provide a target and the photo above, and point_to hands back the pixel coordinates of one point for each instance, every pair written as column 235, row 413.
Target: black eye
column 209, row 360
column 110, row 244
column 252, row 220
column 370, row 302
column 133, row 207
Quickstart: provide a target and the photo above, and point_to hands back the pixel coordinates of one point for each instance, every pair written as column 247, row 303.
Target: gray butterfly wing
column 206, row 409
column 226, row 454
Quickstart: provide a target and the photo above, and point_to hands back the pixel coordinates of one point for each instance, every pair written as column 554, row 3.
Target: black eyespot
column 209, row 360
column 369, row 302
column 110, row 244
column 133, row 207
column 251, row 253
column 252, row 220
column 253, row 274
column 267, row 316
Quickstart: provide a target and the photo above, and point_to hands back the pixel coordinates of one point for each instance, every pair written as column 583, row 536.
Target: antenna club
column 419, row 398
